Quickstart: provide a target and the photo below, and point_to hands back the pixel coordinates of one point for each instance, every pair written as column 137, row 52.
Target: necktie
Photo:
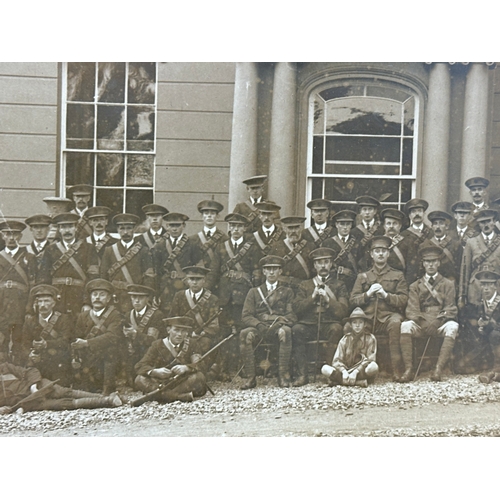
column 208, row 234
column 344, row 239
column 268, row 234
column 431, row 281
column 195, row 300
column 174, row 243
column 157, row 236
column 235, row 246
column 487, row 241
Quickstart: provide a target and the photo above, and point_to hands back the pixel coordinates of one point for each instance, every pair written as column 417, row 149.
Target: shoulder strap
column 482, row 257
column 47, row 330
column 433, row 292
column 121, row 262
column 295, row 253
column 15, row 265
column 264, row 300
column 67, row 256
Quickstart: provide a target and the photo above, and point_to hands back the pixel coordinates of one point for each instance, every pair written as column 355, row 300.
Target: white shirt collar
column 270, row 287
column 154, row 233
column 127, row 245
column 197, row 295
column 253, row 200
column 12, row 252
column 440, row 239
column 427, row 277
column 368, row 225
column 172, row 239
column 98, row 313
column 478, row 207
column 142, row 311
column 80, row 213
column 47, row 318
column 269, row 229
column 210, row 230
column 320, row 226
column 67, row 245
column 418, row 228
column 490, row 302
column 489, row 237
column 100, row 237
column 238, row 241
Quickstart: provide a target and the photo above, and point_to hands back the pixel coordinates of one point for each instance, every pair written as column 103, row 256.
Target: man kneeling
column 354, row 360
column 18, row 383
column 168, row 358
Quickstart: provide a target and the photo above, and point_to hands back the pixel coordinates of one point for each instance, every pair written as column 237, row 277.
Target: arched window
column 362, row 141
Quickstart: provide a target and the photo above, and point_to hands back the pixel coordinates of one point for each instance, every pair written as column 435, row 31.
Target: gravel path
column 269, row 401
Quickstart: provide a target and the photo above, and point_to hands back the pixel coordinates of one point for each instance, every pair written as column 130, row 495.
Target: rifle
column 32, row 397
column 177, row 379
column 200, row 328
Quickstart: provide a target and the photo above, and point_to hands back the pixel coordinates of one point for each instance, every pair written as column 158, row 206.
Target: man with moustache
column 269, row 234
column 478, row 193
column 255, row 189
column 320, row 229
column 154, row 218
column 98, row 218
column 81, row 194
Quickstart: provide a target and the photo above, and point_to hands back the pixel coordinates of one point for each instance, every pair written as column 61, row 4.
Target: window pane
column 317, row 189
column 319, row 116
column 383, row 149
column 364, row 115
column 80, row 126
column 110, row 168
column 141, row 83
column 361, row 169
column 318, row 155
column 140, row 128
column 111, row 198
column 345, row 90
column 137, row 199
column 140, row 170
column 110, row 127
column 407, row 156
column 387, row 92
column 349, row 189
column 406, row 191
column 79, row 168
column 111, row 82
column 81, row 82
column 409, row 117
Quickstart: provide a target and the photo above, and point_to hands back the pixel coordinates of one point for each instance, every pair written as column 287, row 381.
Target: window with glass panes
column 363, row 143
column 108, row 140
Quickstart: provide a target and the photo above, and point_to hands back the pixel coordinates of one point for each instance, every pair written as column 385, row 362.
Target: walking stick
column 375, row 315
column 317, row 337
column 422, row 358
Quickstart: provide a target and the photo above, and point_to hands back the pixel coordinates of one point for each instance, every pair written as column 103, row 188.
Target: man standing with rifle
column 169, row 358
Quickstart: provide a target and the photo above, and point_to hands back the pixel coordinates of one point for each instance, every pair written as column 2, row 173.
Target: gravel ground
column 267, row 398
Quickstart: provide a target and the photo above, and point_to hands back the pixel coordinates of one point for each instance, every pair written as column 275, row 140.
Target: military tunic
column 345, row 260
column 101, row 244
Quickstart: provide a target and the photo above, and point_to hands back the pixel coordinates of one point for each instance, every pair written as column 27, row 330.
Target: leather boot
column 111, row 401
column 407, row 354
column 246, row 351
column 77, row 394
column 109, row 384
column 444, row 355
column 395, row 352
column 285, row 351
column 301, row 360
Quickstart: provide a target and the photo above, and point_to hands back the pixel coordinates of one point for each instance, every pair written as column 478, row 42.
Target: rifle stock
column 36, row 395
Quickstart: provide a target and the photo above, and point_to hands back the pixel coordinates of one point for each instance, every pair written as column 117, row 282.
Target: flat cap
column 45, row 290
column 367, row 201
column 210, row 205
column 439, row 215
column 487, row 276
column 180, row 321
column 175, row 217
column 430, row 252
column 99, row 284
column 12, row 225
column 234, row 217
column 319, row 203
column 267, row 206
column 477, row 182
column 256, row 180
column 98, row 211
column 39, row 220
column 80, row 189
column 416, row 203
column 140, row 290
column 66, row 218
column 462, row 206
column 486, row 214
column 153, row 208
column 292, row 220
column 196, row 271
column 345, row 216
column 392, row 213
column 271, row 260
column 322, row 253
column 380, row 242
column 125, row 219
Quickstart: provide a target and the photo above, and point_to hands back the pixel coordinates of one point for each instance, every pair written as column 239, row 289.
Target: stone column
column 282, row 180
column 244, row 132
column 475, row 126
column 437, row 138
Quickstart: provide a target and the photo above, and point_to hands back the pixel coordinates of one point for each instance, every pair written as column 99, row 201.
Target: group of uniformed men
column 86, row 307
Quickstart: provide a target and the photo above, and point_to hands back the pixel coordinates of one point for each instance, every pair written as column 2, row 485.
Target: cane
column 317, row 337
column 422, row 358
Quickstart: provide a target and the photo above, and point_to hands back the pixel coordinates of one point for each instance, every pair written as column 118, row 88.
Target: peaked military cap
column 175, row 217
column 416, row 203
column 267, row 206
column 439, row 215
column 486, row 214
column 381, row 242
column 99, row 284
column 153, row 208
column 292, row 220
column 271, row 260
column 210, row 205
column 125, row 219
column 367, row 201
column 487, row 276
column 39, row 220
column 392, row 213
column 319, row 203
column 234, row 217
column 462, row 206
column 45, row 290
column 98, row 211
column 12, row 225
column 66, row 218
column 196, row 271
column 180, row 321
column 256, row 180
column 345, row 216
column 477, row 182
column 430, row 252
column 80, row 189
column 322, row 253
column 140, row 290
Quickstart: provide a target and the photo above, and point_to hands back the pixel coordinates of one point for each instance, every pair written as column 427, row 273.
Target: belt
column 120, row 285
column 13, row 284
column 67, row 281
column 237, row 275
column 345, row 270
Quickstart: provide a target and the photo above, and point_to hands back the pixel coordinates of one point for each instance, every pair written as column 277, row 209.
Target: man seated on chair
column 431, row 311
column 354, row 360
